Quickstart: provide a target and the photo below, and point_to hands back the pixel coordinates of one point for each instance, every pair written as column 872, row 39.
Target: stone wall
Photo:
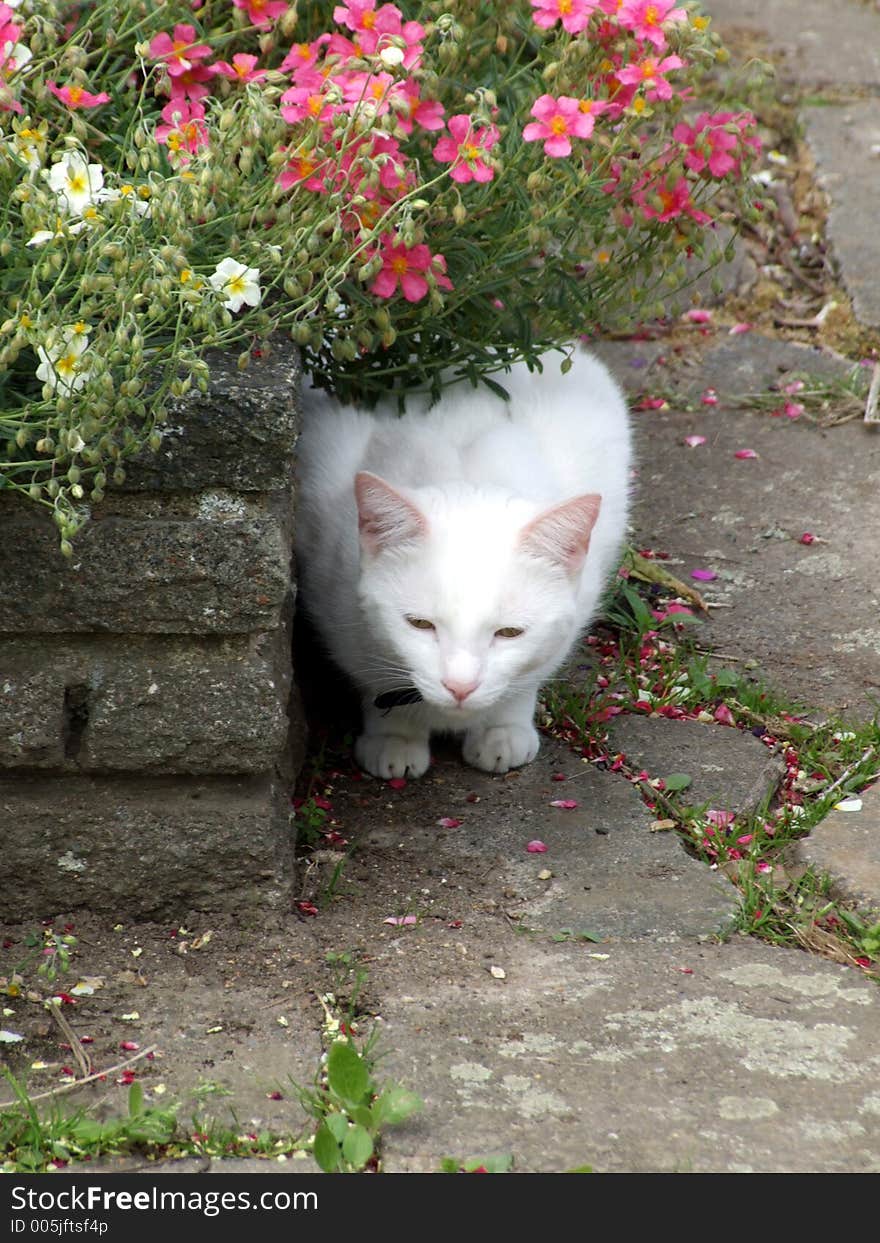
column 149, row 729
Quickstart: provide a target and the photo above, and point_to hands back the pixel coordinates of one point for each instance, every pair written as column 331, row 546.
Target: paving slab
column 729, row 769
column 845, row 141
column 693, row 1058
column 846, row 846
column 821, row 44
column 804, row 615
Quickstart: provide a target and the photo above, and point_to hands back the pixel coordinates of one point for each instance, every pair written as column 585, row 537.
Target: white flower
column 76, row 183
column 63, row 367
column 239, row 283
column 391, row 56
column 13, row 56
column 127, row 192
column 47, row 235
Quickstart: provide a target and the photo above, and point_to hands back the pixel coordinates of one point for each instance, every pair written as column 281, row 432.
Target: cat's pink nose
column 461, row 690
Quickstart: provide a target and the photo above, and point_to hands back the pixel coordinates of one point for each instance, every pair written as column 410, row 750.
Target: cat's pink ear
column 385, row 516
column 562, row 534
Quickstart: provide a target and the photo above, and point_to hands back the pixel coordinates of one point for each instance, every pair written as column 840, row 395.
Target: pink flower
column 466, row 149
column 649, row 73
column 180, row 52
column 242, row 69
column 575, row 14
column 303, row 56
column 368, row 22
column 716, row 141
column 77, row 97
column 404, row 266
column 645, row 18
column 302, row 104
column 262, row 12
column 560, row 118
column 663, row 201
column 184, row 129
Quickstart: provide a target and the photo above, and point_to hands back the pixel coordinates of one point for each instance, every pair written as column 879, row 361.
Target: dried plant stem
column 78, row 1083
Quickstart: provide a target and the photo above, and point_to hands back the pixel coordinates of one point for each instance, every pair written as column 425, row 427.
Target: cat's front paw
column 499, row 748
column 392, row 755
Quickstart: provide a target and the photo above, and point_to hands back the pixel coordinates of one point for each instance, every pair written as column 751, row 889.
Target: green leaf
column 337, row 1124
column 677, row 781
column 135, row 1100
column 347, row 1073
column 357, row 1147
column 326, row 1150
column 394, row 1105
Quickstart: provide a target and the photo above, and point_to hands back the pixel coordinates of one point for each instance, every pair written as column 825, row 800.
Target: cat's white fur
column 476, row 515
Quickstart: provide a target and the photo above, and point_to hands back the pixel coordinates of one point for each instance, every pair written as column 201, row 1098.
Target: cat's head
column 470, row 595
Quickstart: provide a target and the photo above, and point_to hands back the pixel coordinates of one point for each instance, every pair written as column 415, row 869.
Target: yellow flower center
column 236, row 284
column 400, row 265
column 369, row 20
column 75, row 94
column 66, row 365
column 558, row 124
column 315, row 104
column 586, row 105
column 651, row 15
column 470, row 152
column 77, row 182
column 649, row 69
column 565, row 6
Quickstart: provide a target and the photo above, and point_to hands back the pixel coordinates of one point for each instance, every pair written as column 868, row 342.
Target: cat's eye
column 508, row 632
column 421, row 623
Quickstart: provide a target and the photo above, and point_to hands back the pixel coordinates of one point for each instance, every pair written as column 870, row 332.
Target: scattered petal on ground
column 567, row 804
column 721, row 819
column 745, row 453
column 401, row 921
column 710, row 397
column 397, row 783
column 723, row 715
column 807, row 538
column 693, row 442
column 848, row 804
column 743, row 326
column 448, row 822
column 697, row 315
column 498, row 973
column 704, row 576
column 536, row 847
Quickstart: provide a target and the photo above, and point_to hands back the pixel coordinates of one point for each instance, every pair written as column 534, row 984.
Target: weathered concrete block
column 145, row 575
column 160, row 704
column 142, row 849
column 238, row 435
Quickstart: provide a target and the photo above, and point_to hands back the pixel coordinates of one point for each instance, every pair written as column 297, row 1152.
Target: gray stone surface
column 846, row 846
column 596, row 853
column 845, row 141
column 821, row 44
column 144, row 574
column 730, row 769
column 140, row 849
column 735, row 1058
column 256, row 410
column 161, row 704
column 806, row 616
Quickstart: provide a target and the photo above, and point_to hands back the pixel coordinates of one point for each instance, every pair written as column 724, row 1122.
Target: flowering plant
column 412, row 187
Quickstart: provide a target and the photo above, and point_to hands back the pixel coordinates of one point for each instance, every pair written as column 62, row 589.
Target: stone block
column 145, row 575
column 237, row 435
column 143, row 849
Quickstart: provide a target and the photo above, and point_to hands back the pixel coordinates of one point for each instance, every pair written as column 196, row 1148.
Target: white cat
column 450, row 558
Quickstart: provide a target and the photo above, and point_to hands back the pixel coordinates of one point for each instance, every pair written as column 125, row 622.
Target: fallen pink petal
column 794, row 386
column 698, row 316
column 704, row 576
column 740, row 327
column 745, row 453
column 723, row 715
column 807, row 538
column 720, row 819
column 397, row 783
column 401, row 921
column 567, row 804
column 448, row 822
column 793, row 409
column 694, row 442
column 710, row 397
column 536, row 847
